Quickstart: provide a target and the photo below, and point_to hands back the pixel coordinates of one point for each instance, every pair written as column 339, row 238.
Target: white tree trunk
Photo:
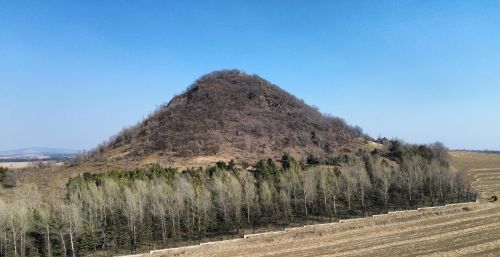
column 64, row 244
column 48, row 241
column 71, row 241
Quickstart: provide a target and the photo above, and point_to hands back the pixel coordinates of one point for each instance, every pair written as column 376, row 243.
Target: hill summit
column 230, row 115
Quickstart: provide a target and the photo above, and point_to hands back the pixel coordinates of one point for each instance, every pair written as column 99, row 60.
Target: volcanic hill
column 229, row 115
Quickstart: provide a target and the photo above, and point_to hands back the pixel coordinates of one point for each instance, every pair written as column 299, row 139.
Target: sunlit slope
column 474, row 160
column 484, row 169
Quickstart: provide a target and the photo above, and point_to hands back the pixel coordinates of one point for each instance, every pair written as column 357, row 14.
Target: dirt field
column 472, row 160
column 484, row 168
column 15, row 165
column 20, row 165
column 459, row 230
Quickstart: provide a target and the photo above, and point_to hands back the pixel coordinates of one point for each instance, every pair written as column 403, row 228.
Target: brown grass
column 473, row 160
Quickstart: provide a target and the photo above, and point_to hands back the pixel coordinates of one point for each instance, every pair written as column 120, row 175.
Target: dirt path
column 459, row 230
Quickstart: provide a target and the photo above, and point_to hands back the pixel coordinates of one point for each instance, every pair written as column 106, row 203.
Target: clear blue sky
column 73, row 73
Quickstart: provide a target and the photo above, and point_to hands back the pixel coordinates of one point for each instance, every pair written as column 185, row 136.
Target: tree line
column 157, row 207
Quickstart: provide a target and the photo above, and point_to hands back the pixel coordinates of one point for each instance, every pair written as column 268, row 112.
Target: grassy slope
column 473, row 160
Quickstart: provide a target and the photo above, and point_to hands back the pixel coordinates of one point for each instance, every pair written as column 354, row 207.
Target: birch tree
column 384, row 175
column 249, row 194
column 350, row 186
column 266, row 198
column 309, row 190
column 325, row 181
column 133, row 210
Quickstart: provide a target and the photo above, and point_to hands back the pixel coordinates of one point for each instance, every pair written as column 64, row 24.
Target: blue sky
column 73, row 73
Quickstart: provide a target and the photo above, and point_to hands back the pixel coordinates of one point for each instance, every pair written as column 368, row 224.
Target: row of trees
column 158, row 207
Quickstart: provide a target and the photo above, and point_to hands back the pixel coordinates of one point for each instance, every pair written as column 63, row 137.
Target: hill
column 229, row 115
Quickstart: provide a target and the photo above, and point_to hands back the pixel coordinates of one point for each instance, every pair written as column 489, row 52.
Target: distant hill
column 37, row 153
column 479, row 151
column 230, row 114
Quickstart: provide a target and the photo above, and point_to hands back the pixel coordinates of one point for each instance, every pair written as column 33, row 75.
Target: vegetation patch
column 128, row 211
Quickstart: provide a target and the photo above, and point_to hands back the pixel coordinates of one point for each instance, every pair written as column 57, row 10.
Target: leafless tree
column 350, row 185
column 292, row 180
column 309, row 190
column 362, row 181
column 4, row 220
column 204, row 206
column 70, row 220
column 235, row 194
column 250, row 194
column 266, row 197
column 463, row 183
column 325, row 182
column 133, row 208
column 222, row 198
column 45, row 216
column 411, row 171
column 159, row 205
column 384, row 174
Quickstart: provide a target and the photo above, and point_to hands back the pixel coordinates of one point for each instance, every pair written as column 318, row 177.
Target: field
column 458, row 230
column 15, row 165
column 50, row 180
column 27, row 164
column 473, row 160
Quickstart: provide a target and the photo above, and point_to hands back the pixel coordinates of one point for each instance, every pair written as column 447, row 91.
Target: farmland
column 457, row 230
column 27, row 164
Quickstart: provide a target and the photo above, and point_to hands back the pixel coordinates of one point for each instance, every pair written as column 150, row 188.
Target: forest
column 132, row 211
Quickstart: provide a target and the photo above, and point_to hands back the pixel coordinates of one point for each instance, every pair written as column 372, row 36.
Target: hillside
column 468, row 160
column 229, row 115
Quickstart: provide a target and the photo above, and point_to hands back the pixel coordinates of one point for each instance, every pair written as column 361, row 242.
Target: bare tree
column 175, row 204
column 350, row 185
column 309, row 190
column 411, row 170
column 18, row 225
column 70, row 221
column 111, row 194
column 204, row 206
column 325, row 182
column 4, row 226
column 222, row 198
column 384, row 174
column 363, row 182
column 249, row 194
column 235, row 194
column 292, row 180
column 46, row 217
column 440, row 152
column 188, row 195
column 266, row 197
column 133, row 208
column 284, row 198
column 463, row 184
column 160, row 207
